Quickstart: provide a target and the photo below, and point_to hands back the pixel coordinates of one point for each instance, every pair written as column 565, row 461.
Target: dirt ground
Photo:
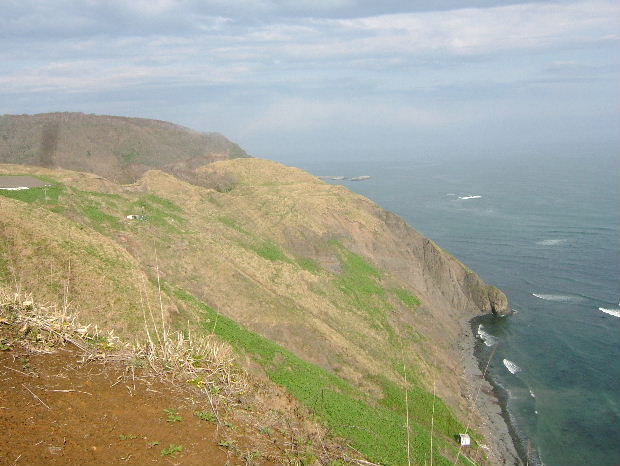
column 57, row 410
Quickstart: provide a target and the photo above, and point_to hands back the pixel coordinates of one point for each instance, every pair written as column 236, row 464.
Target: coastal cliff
column 303, row 278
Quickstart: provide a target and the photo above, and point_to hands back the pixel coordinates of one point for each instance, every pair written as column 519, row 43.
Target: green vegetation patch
column 359, row 279
column 48, row 194
column 98, row 217
column 167, row 204
column 309, row 265
column 159, row 212
column 407, row 298
column 271, row 252
column 376, row 430
column 231, row 223
column 420, row 405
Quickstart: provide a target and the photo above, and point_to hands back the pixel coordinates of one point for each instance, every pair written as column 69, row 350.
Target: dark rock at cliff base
column 499, row 302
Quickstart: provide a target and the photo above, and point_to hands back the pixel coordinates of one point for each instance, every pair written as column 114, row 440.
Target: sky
column 329, row 78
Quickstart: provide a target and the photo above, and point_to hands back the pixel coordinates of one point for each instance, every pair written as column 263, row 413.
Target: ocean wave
column 560, row 298
column 470, row 197
column 611, row 312
column 488, row 339
column 551, row 242
column 511, row 366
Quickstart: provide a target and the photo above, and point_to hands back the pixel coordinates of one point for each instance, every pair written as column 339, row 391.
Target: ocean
column 545, row 230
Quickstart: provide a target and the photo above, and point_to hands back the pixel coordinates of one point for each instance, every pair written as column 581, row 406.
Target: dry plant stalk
column 203, row 361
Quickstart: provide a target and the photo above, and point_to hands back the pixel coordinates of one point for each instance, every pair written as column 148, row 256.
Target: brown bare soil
column 57, row 409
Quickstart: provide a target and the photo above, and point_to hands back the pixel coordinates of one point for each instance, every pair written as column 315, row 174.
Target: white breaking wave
column 511, row 366
column 532, row 394
column 551, row 242
column 560, row 298
column 470, row 197
column 611, row 312
column 488, row 339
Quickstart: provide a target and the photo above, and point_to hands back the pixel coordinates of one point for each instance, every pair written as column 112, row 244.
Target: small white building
column 132, row 217
column 464, row 440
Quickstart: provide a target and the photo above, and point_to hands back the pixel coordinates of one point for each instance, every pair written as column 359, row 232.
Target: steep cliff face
column 445, row 281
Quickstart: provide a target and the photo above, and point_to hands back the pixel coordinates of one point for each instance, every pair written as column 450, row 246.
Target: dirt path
column 56, row 410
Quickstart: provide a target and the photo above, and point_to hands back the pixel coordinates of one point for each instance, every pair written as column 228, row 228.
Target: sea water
column 545, row 230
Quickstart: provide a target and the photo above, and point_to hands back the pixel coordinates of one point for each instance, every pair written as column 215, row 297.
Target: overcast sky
column 328, row 78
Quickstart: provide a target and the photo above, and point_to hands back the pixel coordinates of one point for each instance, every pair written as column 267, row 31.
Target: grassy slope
column 233, row 257
column 376, row 429
column 68, row 263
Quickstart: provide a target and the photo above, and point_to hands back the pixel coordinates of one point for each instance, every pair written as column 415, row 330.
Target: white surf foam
column 511, row 366
column 532, row 394
column 611, row 312
column 560, row 298
column 551, row 242
column 469, row 197
column 488, row 339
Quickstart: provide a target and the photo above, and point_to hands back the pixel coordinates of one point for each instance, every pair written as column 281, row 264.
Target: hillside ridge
column 299, row 276
column 118, row 148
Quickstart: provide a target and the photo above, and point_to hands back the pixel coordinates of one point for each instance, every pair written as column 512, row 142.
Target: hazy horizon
column 329, row 79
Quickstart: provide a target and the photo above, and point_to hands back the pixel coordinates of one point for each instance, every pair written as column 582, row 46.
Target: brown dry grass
column 203, row 370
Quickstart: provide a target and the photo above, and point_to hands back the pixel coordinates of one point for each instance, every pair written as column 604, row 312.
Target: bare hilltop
column 118, row 148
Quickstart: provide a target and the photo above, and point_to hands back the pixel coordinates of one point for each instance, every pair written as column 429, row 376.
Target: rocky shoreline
column 489, row 407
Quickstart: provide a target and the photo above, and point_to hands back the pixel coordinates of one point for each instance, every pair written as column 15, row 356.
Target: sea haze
column 545, row 229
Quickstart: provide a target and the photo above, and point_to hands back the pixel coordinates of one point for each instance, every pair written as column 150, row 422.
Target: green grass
column 359, row 279
column 271, row 252
column 376, row 430
column 420, row 405
column 360, row 284
column 309, row 265
column 162, row 202
column 172, row 450
column 159, row 212
column 173, row 415
column 231, row 223
column 205, row 416
column 98, row 217
column 36, row 194
column 407, row 298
